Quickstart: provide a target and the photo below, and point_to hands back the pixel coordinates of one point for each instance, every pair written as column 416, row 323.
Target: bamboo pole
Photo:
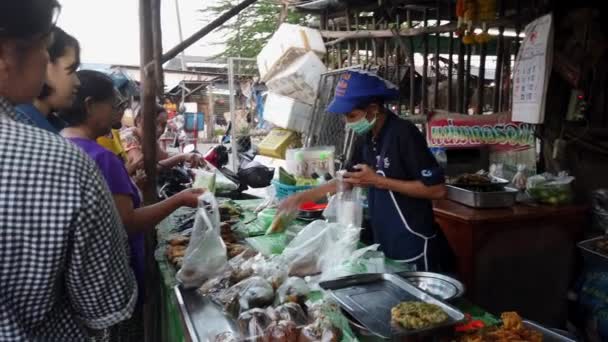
column 450, row 71
column 348, row 43
column 500, row 43
column 467, row 79
column 158, row 48
column 436, row 80
column 481, row 79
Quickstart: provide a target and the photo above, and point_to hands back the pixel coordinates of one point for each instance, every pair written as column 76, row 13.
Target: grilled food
column 417, row 315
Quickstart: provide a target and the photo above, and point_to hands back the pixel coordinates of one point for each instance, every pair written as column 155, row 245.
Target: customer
column 92, row 115
column 132, row 138
column 65, row 272
column 60, row 86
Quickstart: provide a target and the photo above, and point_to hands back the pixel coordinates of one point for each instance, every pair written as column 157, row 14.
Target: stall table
column 519, row 258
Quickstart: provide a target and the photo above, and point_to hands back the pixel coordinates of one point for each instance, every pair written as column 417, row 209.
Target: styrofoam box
column 287, row 44
column 287, row 113
column 300, row 80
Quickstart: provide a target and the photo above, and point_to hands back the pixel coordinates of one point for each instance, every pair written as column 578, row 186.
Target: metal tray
column 593, row 257
column 548, row 334
column 203, row 319
column 476, row 199
column 369, row 298
column 439, row 285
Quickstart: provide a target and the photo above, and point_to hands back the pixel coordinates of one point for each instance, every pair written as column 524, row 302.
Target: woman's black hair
column 27, row 19
column 93, row 85
column 58, row 48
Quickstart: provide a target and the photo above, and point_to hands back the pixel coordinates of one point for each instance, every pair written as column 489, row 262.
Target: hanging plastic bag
column 206, row 254
column 520, row 179
column 346, row 206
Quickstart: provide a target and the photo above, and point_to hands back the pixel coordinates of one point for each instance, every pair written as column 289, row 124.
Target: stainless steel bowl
column 438, row 285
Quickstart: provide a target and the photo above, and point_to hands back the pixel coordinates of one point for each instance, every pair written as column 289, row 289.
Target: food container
column 369, row 298
column 482, row 199
column 287, row 113
column 592, row 256
column 300, row 80
column 276, row 143
column 439, row 285
column 549, row 335
column 287, row 44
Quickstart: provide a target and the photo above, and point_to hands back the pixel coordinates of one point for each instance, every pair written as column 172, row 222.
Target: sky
column 108, row 30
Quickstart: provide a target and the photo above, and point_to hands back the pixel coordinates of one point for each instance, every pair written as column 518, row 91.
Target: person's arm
column 146, row 218
column 100, row 285
column 292, row 203
column 368, row 177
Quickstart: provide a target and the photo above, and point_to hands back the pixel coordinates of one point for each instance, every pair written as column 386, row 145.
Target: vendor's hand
column 292, row 203
column 194, row 159
column 189, row 197
column 135, row 164
column 364, row 176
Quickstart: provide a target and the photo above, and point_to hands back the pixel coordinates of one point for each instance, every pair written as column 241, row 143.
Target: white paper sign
column 532, row 71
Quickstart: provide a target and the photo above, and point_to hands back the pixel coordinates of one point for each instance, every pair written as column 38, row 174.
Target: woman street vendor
column 392, row 159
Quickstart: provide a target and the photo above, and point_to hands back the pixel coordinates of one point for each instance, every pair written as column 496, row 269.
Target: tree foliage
column 247, row 33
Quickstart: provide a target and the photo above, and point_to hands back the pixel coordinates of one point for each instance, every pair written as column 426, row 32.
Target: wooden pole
column 412, row 68
column 450, row 103
column 158, row 48
column 500, row 43
column 467, row 79
column 358, row 55
column 211, row 113
column 436, row 80
column 206, row 30
column 349, row 53
column 148, row 101
column 460, row 93
column 481, row 79
column 425, row 66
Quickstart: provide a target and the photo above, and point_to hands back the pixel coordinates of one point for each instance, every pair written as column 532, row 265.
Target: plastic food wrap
column 218, row 284
column 253, row 324
column 206, row 254
column 320, row 330
column 294, row 290
column 282, row 331
column 291, row 312
column 227, row 337
column 274, row 270
column 258, row 293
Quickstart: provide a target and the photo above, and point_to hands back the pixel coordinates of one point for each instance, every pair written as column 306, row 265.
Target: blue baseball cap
column 357, row 87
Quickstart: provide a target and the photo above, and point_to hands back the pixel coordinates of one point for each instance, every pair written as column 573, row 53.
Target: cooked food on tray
column 472, row 179
column 417, row 315
column 282, row 331
column 512, row 329
column 253, row 324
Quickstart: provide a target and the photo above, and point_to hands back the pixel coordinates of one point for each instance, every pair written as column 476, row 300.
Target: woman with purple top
column 91, row 116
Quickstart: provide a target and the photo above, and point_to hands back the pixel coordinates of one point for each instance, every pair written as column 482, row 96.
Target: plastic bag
column 293, row 290
column 520, row 179
column 206, row 254
column 547, row 188
column 599, row 203
column 318, row 244
column 364, row 260
column 204, row 180
column 253, row 324
column 282, row 331
column 250, row 293
column 496, row 171
column 346, row 206
column 223, row 184
column 273, row 269
column 291, row 312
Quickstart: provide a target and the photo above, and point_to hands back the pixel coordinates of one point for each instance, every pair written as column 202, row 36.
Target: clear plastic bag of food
column 550, row 189
column 254, row 292
column 273, row 269
column 293, row 290
column 253, row 324
column 291, row 312
column 219, row 283
column 364, row 260
column 206, row 254
column 281, row 331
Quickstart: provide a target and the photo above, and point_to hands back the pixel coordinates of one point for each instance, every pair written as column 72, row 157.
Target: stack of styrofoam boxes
column 291, row 66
